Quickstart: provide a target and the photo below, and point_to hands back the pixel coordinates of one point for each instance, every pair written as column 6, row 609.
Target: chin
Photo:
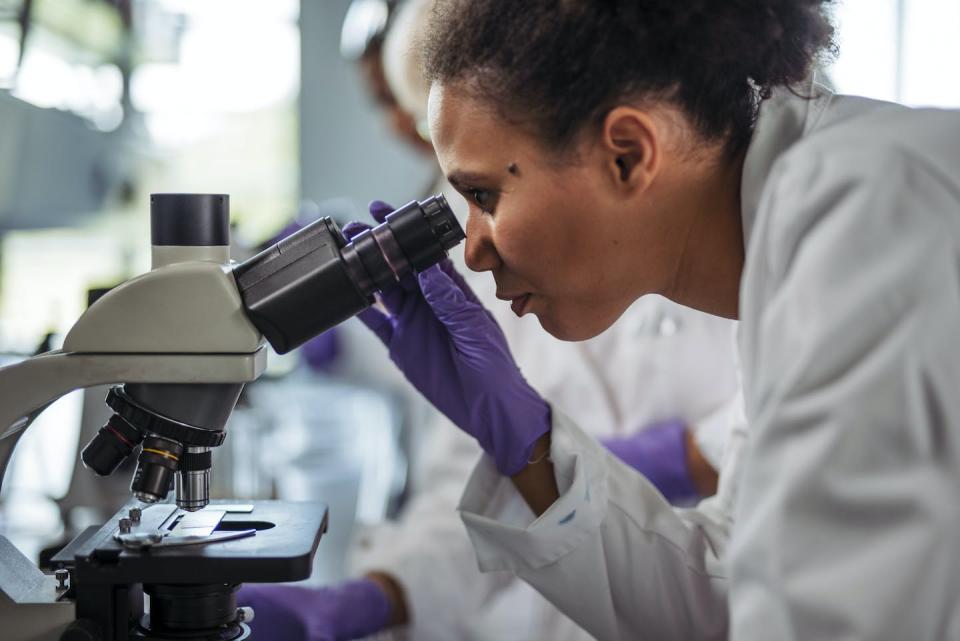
column 578, row 320
column 569, row 331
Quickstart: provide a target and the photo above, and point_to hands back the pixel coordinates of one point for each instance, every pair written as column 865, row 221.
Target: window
column 900, row 50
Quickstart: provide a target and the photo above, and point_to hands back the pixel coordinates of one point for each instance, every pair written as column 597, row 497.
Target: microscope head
column 175, row 424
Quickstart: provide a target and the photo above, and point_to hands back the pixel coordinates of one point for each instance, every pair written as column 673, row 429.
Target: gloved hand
column 659, row 452
column 351, row 610
column 455, row 354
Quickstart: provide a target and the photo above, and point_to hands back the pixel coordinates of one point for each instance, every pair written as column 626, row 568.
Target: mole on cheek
column 513, row 169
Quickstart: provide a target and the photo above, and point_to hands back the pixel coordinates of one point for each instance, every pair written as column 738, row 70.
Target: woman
column 403, row 570
column 614, row 149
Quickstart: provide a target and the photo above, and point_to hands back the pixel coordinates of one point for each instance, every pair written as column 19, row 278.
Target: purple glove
column 351, row 610
column 659, row 453
column 455, row 354
column 321, row 351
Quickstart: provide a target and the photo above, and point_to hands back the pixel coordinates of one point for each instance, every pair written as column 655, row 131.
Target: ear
column 631, row 145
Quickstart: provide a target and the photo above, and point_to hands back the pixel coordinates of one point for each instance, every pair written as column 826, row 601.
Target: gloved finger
column 447, row 266
column 354, row 229
column 447, row 300
column 394, row 299
column 379, row 323
column 379, row 210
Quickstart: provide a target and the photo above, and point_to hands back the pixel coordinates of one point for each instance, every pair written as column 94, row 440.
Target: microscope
column 178, row 343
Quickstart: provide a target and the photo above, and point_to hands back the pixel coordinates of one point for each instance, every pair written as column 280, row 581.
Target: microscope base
column 192, row 586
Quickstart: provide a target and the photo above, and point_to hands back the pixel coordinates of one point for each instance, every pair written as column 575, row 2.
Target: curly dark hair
column 561, row 65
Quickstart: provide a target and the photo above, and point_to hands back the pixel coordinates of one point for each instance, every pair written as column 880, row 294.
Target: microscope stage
column 272, row 542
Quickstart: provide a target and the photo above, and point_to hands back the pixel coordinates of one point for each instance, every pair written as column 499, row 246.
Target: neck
column 711, row 259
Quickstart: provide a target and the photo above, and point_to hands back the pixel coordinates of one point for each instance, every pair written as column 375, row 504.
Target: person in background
column 660, row 390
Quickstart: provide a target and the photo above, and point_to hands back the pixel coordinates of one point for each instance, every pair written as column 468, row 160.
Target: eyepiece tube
column 315, row 278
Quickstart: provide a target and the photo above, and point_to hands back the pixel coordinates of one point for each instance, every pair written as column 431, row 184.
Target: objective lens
column 159, row 460
column 193, row 479
column 111, row 446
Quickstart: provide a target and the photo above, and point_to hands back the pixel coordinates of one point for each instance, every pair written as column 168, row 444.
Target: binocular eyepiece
column 316, row 278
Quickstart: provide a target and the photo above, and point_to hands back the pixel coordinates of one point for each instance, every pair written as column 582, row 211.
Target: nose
column 480, row 253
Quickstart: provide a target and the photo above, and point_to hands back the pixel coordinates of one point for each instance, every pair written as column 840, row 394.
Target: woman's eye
column 483, row 198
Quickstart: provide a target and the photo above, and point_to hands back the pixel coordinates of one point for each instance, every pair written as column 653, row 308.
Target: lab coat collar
column 785, row 118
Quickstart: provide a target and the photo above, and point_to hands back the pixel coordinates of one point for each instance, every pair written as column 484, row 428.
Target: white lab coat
column 843, row 522
column 659, row 361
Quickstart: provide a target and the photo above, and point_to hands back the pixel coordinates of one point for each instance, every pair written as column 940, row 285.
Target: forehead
column 465, row 130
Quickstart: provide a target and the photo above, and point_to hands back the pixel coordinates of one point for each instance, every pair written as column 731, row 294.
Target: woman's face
column 564, row 240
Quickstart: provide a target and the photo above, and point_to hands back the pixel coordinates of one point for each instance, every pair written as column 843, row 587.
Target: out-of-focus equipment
column 180, row 342
column 40, row 147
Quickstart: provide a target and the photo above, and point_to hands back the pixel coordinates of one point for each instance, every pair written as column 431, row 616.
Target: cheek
column 542, row 240
column 521, row 242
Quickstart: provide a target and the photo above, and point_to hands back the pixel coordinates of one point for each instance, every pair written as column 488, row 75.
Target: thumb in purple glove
column 659, row 452
column 351, row 610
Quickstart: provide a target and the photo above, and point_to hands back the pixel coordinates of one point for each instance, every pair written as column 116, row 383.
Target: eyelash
column 490, row 195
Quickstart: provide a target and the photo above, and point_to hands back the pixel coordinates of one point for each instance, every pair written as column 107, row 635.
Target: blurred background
column 104, row 101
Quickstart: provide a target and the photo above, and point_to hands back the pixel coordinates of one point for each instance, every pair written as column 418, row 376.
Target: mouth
column 518, row 302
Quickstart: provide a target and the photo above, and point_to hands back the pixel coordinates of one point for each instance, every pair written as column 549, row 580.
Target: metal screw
column 62, row 575
column 125, row 525
column 134, row 514
column 245, row 614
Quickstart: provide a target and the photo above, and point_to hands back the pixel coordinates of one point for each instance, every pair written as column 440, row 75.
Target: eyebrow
column 460, row 178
